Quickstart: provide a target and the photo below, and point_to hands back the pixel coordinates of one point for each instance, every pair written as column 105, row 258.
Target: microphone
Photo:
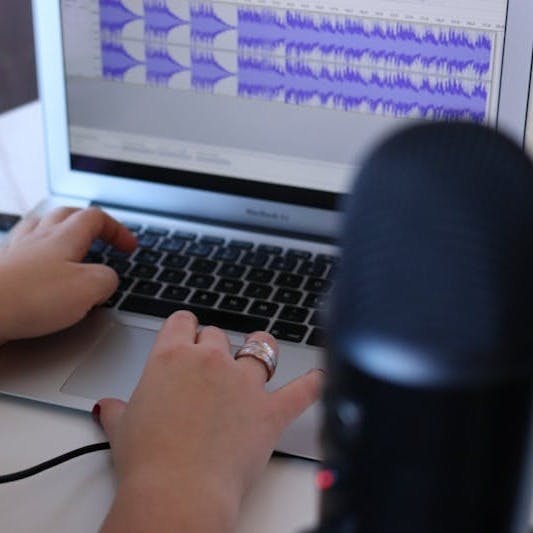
column 429, row 391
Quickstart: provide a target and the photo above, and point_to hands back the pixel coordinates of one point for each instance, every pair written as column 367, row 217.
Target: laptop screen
column 529, row 124
column 266, row 98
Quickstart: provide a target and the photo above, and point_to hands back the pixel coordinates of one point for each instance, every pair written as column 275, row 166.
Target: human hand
column 197, row 431
column 43, row 286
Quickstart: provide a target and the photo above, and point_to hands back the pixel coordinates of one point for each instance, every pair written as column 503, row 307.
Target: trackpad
column 114, row 365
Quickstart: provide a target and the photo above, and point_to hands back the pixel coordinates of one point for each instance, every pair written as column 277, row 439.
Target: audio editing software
column 363, row 65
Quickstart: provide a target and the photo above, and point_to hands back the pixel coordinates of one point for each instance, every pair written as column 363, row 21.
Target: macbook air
column 225, row 135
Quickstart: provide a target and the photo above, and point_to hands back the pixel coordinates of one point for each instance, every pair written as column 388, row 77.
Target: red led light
column 325, row 479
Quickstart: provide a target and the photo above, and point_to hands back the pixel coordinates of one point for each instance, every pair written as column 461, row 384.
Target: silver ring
column 263, row 352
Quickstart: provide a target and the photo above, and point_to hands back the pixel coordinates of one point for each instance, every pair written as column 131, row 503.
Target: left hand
column 43, row 286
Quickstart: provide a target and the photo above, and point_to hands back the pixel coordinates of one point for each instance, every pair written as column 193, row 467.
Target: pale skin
column 199, row 427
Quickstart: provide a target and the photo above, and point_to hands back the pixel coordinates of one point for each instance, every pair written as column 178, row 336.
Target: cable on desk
column 22, row 474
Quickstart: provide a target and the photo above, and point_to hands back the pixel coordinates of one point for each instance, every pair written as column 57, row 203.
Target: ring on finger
column 263, row 352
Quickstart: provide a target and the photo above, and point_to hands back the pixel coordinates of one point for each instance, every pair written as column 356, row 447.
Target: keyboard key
column 114, row 299
column 288, row 296
column 291, row 281
column 172, row 245
column 231, row 286
column 317, row 285
column 286, row 263
column 125, row 284
column 148, row 257
column 200, row 281
column 146, row 240
column 117, row 254
column 203, row 266
column 326, row 258
column 160, row 232
column 185, row 235
column 258, row 290
column 316, row 319
column 8, row 221
column 143, row 271
column 317, row 338
column 206, row 316
column 229, row 255
column 312, row 268
column 178, row 294
column 285, row 331
column 94, row 258
column 132, row 226
column 148, row 288
column 294, row 314
column 97, row 247
column 300, row 254
column 120, row 266
column 198, row 249
column 175, row 261
column 261, row 308
column 206, row 298
column 209, row 239
column 255, row 259
column 234, row 303
column 242, row 245
column 268, row 249
column 314, row 300
column 231, row 271
column 258, row 275
column 169, row 275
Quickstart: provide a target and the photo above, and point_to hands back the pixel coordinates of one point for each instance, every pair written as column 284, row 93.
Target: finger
column 25, row 226
column 214, row 338
column 80, row 229
column 295, row 397
column 101, row 282
column 108, row 413
column 255, row 368
column 178, row 331
column 56, row 216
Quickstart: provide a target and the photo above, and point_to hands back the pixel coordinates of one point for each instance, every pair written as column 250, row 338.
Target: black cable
column 22, row 474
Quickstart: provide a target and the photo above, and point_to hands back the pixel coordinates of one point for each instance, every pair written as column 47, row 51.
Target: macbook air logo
column 270, row 215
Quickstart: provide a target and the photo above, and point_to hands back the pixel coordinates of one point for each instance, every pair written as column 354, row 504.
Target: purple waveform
column 261, row 28
column 348, row 39
column 206, row 72
column 116, row 61
column 347, row 89
column 114, row 16
column 206, row 25
column 159, row 19
column 160, row 66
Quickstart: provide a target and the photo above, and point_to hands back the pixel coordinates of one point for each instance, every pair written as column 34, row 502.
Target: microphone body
column 430, row 358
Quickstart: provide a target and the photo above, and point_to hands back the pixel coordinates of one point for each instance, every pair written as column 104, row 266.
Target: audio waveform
column 347, row 89
column 206, row 25
column 160, row 66
column 114, row 16
column 116, row 61
column 206, row 72
column 159, row 19
column 343, row 38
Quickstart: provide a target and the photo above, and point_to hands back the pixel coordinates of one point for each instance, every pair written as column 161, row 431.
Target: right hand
column 197, row 431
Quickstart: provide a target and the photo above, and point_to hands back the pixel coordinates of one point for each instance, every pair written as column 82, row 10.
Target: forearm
column 145, row 505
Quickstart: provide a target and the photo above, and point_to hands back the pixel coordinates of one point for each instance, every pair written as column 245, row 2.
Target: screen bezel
column 286, row 208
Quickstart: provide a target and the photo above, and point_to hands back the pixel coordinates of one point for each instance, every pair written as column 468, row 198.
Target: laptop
column 226, row 134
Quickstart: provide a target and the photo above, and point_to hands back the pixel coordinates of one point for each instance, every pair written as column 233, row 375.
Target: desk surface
column 76, row 495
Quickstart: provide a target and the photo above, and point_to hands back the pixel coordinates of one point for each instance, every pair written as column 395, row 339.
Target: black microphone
column 430, row 358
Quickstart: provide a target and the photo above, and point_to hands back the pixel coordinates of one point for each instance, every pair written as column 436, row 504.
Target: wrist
column 149, row 501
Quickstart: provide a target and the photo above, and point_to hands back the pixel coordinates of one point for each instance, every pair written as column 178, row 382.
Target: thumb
column 109, row 414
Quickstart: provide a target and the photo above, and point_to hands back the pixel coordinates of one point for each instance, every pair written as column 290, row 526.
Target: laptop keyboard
column 233, row 284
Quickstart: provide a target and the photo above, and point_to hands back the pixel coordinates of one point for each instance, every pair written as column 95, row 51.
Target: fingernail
column 96, row 413
column 320, row 370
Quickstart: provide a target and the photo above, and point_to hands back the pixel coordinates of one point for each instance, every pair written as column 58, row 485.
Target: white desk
column 75, row 496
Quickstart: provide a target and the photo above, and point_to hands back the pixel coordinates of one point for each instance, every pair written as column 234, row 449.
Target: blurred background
column 17, row 59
